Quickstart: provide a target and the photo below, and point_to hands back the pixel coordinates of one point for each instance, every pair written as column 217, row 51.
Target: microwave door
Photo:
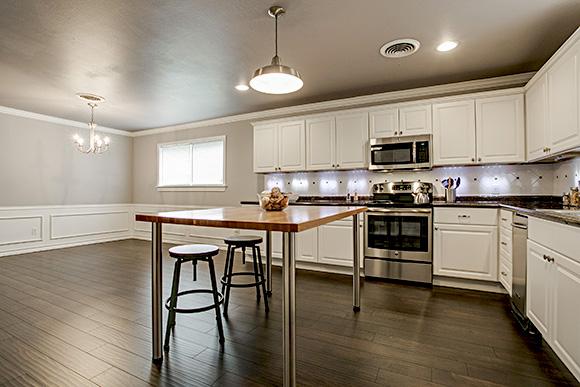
column 392, row 154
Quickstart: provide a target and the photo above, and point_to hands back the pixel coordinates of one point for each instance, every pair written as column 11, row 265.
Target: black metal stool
column 243, row 241
column 193, row 253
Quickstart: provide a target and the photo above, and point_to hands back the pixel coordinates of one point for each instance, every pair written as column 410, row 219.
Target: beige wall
column 242, row 183
column 39, row 165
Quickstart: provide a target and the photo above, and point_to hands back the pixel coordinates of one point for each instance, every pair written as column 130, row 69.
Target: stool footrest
column 195, row 310
column 224, row 280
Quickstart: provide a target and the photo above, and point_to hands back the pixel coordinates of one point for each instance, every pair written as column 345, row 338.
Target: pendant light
column 276, row 78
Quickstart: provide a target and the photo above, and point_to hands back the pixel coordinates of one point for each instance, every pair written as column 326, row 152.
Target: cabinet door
column 454, row 133
column 566, row 312
column 465, row 251
column 538, row 287
column 352, row 135
column 499, row 123
column 307, row 245
column 563, row 107
column 415, row 120
column 265, row 148
column 320, row 143
column 292, row 146
column 335, row 243
column 384, row 123
column 537, row 119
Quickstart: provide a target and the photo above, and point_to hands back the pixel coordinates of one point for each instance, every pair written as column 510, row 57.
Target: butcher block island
column 290, row 221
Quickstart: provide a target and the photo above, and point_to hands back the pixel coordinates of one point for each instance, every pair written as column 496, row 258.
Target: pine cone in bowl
column 273, row 200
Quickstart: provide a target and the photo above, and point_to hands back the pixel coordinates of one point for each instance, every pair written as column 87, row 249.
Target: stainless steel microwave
column 401, row 152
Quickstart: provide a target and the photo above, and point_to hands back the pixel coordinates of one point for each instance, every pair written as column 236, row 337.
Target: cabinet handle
column 503, row 243
column 504, row 273
column 472, row 159
column 548, row 149
column 550, row 259
column 504, row 219
column 464, row 216
column 545, row 257
column 479, row 159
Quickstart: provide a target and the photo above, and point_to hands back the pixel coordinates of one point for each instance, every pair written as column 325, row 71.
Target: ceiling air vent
column 399, row 48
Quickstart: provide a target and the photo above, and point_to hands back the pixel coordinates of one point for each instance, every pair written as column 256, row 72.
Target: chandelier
column 97, row 144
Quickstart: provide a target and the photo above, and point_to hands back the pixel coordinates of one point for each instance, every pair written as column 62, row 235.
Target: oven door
column 404, row 234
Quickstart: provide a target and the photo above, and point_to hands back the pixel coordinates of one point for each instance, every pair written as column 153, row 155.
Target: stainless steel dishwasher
column 519, row 263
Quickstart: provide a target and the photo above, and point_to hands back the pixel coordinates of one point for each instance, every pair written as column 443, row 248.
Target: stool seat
column 193, row 251
column 243, row 240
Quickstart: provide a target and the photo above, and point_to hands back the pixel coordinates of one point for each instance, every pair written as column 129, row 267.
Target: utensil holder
column 449, row 195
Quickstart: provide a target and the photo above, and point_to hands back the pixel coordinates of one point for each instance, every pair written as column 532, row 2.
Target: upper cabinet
column 337, row 141
column 454, row 133
column 553, row 104
column 479, row 131
column 280, row 147
column 411, row 120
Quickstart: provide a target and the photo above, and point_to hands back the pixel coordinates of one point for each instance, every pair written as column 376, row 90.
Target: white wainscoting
column 37, row 228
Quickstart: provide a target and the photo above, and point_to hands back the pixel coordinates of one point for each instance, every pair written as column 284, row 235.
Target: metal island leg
column 289, row 308
column 356, row 263
column 156, row 292
column 269, row 263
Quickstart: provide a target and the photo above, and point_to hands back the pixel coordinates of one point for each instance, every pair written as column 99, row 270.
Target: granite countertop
column 529, row 205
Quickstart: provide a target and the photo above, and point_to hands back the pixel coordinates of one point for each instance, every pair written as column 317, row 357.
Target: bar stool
column 243, row 241
column 194, row 254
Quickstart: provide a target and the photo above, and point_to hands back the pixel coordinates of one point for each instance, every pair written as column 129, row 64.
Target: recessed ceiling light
column 447, row 46
column 242, row 87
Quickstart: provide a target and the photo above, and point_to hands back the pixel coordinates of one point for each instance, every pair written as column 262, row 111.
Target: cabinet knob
column 503, row 243
column 396, row 133
column 472, row 159
column 337, row 165
column 479, row 159
column 504, row 273
column 548, row 149
column 436, row 228
column 401, row 132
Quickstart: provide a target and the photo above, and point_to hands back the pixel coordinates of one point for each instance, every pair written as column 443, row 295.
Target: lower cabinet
column 465, row 251
column 553, row 298
column 330, row 244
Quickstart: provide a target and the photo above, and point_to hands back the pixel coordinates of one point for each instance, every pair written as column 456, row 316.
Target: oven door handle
column 399, row 211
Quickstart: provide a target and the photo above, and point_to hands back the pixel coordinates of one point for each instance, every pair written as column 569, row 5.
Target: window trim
column 194, row 187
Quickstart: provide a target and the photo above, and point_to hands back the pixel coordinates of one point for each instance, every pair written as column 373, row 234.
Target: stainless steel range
column 398, row 232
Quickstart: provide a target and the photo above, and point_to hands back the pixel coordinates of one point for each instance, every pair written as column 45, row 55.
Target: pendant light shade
column 276, row 78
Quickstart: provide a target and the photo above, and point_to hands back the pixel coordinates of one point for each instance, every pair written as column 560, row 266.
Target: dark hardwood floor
column 81, row 317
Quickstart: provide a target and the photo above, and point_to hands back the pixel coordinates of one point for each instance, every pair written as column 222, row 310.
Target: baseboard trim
column 461, row 283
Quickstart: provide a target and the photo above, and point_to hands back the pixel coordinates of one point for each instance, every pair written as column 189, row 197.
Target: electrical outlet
column 495, row 189
column 34, row 230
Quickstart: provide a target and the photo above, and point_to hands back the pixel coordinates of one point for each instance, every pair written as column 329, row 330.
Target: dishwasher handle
column 520, row 226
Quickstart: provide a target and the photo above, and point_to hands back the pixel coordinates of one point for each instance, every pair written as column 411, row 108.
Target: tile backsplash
column 527, row 179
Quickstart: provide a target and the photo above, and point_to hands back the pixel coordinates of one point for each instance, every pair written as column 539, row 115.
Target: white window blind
column 196, row 163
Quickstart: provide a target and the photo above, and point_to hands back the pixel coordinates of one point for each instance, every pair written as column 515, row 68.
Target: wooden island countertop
column 292, row 219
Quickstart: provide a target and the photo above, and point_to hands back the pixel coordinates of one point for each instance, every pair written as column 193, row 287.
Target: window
column 192, row 165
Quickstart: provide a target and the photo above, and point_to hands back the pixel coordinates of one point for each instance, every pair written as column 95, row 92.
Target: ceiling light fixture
column 242, row 87
column 96, row 144
column 276, row 78
column 447, row 46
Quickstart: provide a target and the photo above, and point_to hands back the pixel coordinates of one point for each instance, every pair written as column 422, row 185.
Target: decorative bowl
column 274, row 200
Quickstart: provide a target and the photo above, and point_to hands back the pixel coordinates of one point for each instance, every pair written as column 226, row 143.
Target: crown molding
column 61, row 121
column 353, row 102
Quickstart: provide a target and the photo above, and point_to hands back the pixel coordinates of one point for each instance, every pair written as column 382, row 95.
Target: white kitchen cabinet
column 499, row 127
column 279, row 147
column 352, row 135
column 335, row 243
column 465, row 251
column 306, row 245
column 563, row 101
column 537, row 120
column 337, row 141
column 539, row 276
column 384, row 122
column 454, row 133
column 391, row 121
column 553, row 287
column 415, row 120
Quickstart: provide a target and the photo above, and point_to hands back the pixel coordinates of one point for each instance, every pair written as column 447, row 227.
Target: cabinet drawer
column 466, row 215
column 505, row 274
column 505, row 243
column 505, row 219
column 556, row 236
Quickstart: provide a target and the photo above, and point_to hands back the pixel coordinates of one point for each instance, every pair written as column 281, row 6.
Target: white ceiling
column 161, row 63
